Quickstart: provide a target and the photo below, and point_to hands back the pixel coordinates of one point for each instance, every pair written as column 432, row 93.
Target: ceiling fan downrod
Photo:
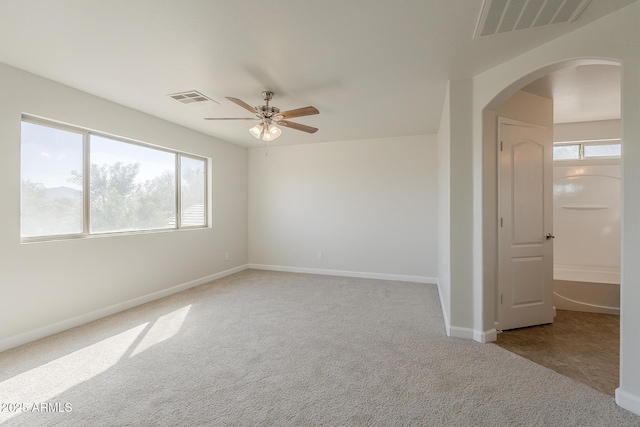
column 266, row 111
column 267, row 95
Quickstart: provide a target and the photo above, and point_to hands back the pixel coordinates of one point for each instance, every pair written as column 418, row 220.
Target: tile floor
column 582, row 346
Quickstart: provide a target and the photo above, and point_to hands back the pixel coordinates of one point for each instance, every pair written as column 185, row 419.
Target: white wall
column 610, row 38
column 461, row 208
column 49, row 286
column 584, row 131
column 370, row 206
column 527, row 107
column 455, row 200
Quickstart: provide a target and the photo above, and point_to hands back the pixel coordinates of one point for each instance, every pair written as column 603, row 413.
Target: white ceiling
column 372, row 68
column 582, row 93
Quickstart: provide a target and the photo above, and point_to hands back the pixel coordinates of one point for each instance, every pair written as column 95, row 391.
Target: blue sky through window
column 49, row 155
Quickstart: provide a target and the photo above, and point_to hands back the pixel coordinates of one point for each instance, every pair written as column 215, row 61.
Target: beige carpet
column 268, row 348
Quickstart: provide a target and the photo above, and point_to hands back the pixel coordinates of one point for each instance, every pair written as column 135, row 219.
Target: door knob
column 550, row 236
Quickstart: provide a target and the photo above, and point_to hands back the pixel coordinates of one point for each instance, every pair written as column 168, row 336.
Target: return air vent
column 500, row 16
column 191, row 97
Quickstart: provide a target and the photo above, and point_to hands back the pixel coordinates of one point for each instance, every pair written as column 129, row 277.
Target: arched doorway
column 490, row 210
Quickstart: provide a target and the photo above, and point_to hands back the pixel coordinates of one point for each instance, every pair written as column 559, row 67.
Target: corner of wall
column 628, row 401
column 458, row 332
column 461, row 207
column 485, row 337
column 445, row 311
column 444, row 213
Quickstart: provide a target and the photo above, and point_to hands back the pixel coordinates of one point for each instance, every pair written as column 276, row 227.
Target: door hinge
column 501, row 222
column 500, row 145
column 501, row 298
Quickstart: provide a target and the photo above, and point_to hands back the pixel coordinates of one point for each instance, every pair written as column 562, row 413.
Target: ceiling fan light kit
column 270, row 117
column 266, row 132
column 274, row 131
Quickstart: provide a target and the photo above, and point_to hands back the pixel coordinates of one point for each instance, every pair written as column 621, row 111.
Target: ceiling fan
column 270, row 117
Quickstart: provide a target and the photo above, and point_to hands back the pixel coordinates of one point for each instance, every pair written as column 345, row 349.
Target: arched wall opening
column 611, row 38
column 490, row 185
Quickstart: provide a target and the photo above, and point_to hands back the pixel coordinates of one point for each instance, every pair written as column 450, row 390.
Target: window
column 52, row 196
column 78, row 183
column 131, row 187
column 192, row 191
column 602, row 149
column 566, row 152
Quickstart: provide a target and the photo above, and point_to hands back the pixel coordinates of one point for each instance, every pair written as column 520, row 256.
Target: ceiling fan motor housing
column 267, row 111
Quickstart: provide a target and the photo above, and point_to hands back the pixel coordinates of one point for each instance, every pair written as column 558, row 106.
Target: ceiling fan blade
column 297, row 126
column 242, row 104
column 231, row 118
column 298, row 112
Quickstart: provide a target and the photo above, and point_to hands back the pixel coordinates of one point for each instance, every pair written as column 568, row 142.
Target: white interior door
column 525, row 254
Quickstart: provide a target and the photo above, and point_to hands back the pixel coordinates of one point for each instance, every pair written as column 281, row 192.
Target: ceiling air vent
column 191, row 97
column 500, row 16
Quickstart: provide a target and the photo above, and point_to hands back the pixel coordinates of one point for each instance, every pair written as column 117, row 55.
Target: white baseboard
column 471, row 334
column 345, row 273
column 458, row 332
column 628, row 401
column 487, row 336
column 66, row 324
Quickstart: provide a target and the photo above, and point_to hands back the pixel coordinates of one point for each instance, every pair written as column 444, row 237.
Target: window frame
column 179, row 191
column 582, row 144
column 86, row 183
